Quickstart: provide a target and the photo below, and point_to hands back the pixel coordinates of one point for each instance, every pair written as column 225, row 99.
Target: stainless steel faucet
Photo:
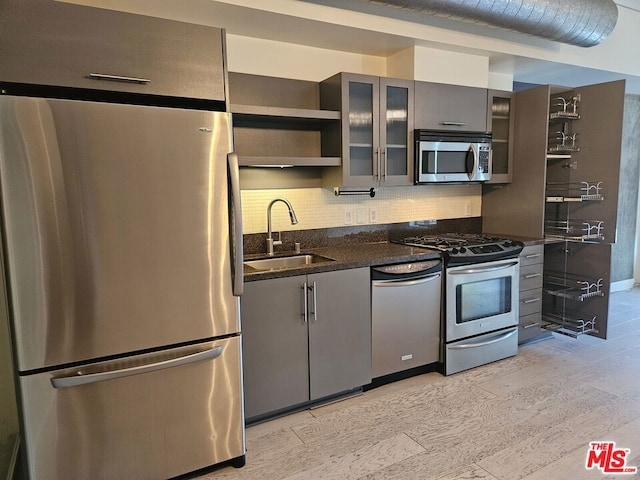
column 270, row 241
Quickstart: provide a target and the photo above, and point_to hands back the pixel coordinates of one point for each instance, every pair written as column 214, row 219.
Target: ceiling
column 366, row 28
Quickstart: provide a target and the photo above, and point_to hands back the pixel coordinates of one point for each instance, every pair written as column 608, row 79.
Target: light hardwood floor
column 528, row 417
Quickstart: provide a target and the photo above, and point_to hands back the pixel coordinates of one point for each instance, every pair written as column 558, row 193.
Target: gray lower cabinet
column 45, row 42
column 530, row 307
column 293, row 354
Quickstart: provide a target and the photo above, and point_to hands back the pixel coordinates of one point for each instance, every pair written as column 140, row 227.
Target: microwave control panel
column 484, row 153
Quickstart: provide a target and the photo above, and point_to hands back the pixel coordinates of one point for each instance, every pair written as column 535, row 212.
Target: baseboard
column 622, row 285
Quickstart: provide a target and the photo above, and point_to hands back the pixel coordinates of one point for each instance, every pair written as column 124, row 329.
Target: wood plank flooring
column 529, row 417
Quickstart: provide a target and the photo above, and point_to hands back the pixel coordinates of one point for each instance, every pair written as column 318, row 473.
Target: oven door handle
column 504, row 336
column 482, row 269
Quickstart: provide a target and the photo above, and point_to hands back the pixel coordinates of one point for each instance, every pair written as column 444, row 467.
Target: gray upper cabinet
column 450, row 107
column 305, row 338
column 518, row 208
column 45, row 42
column 375, row 138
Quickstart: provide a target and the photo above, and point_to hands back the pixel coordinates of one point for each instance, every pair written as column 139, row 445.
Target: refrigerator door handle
column 235, row 222
column 78, row 378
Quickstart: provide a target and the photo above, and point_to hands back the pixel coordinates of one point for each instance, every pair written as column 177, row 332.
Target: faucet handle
column 279, row 240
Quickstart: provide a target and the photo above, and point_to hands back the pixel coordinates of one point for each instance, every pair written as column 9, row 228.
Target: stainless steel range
column 480, row 297
column 467, row 248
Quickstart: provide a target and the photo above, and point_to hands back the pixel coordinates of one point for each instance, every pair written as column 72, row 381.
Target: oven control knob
column 507, row 244
column 462, row 249
column 454, row 250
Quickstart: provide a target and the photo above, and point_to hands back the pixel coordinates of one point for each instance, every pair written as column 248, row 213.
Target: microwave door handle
column 473, row 153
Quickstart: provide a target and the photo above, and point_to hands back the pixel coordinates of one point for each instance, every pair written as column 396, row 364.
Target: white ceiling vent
column 584, row 23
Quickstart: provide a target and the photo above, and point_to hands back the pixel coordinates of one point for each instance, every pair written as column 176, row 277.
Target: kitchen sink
column 278, row 263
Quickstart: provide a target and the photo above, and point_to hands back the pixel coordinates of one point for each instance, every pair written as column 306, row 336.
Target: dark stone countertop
column 528, row 241
column 345, row 256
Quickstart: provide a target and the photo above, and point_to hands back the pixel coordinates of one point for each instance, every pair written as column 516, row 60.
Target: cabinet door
column 360, row 133
column 339, row 331
column 274, row 352
column 450, row 107
column 599, row 135
column 396, row 131
column 357, row 140
column 518, row 208
column 582, row 304
column 500, row 120
column 54, row 43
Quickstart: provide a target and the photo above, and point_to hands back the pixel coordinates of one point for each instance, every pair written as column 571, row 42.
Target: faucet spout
column 292, row 215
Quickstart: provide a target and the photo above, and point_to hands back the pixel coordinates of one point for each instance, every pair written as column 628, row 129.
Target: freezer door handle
column 235, row 222
column 80, row 379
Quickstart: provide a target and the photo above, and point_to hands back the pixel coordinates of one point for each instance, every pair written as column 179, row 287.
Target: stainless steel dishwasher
column 405, row 316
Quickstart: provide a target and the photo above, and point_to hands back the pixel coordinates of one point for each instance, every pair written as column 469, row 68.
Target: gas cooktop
column 461, row 248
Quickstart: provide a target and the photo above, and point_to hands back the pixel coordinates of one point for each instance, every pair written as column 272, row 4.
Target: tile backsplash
column 320, row 208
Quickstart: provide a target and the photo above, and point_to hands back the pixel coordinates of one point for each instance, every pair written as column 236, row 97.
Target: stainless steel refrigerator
column 122, row 237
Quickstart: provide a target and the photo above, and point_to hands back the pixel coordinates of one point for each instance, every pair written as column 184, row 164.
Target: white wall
column 279, row 59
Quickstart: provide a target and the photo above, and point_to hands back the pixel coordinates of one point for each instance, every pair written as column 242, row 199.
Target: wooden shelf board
column 247, row 161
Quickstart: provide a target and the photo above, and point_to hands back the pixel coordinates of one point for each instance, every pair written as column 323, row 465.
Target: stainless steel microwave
column 454, row 157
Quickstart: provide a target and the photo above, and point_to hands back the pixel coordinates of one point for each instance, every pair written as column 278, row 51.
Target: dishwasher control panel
column 414, row 267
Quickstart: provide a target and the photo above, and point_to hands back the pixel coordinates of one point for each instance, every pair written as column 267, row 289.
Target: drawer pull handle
column 532, row 275
column 530, row 300
column 453, row 124
column 533, row 255
column 531, row 325
column 118, row 78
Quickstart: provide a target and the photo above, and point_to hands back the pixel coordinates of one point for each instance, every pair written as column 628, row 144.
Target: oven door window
column 447, row 161
column 482, row 299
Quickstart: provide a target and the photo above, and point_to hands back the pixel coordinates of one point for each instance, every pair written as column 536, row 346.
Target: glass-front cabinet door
column 361, row 154
column 500, row 120
column 396, row 131
column 376, row 135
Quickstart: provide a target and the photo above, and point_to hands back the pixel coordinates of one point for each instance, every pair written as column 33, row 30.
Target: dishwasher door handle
column 405, row 283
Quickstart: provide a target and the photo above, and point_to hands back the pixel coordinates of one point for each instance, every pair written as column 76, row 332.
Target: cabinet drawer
column 530, row 302
column 530, row 277
column 532, row 254
column 450, row 107
column 71, row 45
column 530, row 327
